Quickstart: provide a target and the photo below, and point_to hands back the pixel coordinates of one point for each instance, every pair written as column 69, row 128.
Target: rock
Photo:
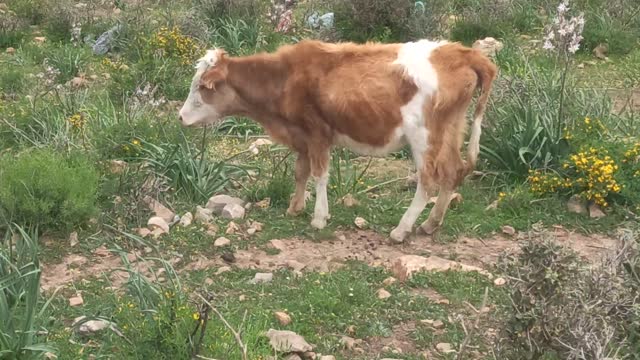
column 283, row 318
column 287, row 341
column 383, row 294
column 73, row 239
column 159, row 209
column 601, row 51
column 292, row 357
column 251, row 231
column 349, row 201
column 595, row 212
column 499, row 281
column 309, row 355
column 349, row 343
column 50, row 356
column 262, row 278
column 208, row 281
column 217, row 203
column 157, row 222
column 256, row 225
column 388, row 281
column 221, row 241
column 76, row 301
column 254, row 146
column 488, row 46
column 405, row 266
column 203, row 215
column 317, row 21
column 90, row 327
column 10, row 51
column 40, row 39
column 143, row 232
column 228, row 257
column 295, row 265
column 105, row 41
column 117, row 166
column 360, row 222
column 212, row 229
column 577, row 205
column 277, row 244
column 232, row 228
column 509, row 230
column 444, row 348
column 78, row 82
column 186, row 219
column 438, row 324
column 327, row 357
column 233, row 211
column 223, row 269
column 264, row 203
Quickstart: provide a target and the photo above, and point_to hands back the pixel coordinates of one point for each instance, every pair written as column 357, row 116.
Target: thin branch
column 242, row 345
column 472, row 331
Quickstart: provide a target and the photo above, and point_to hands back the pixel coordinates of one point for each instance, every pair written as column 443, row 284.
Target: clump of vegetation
column 563, row 308
column 46, row 189
column 171, row 42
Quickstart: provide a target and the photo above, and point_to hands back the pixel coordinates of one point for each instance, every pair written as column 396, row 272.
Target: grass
column 115, row 116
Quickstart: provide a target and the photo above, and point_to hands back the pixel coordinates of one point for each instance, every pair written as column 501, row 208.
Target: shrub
column 34, row 11
column 563, row 308
column 43, row 188
column 217, row 9
column 12, row 31
column 11, row 80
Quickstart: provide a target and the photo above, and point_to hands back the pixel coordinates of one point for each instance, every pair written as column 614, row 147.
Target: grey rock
column 105, row 42
column 218, row 202
column 233, row 211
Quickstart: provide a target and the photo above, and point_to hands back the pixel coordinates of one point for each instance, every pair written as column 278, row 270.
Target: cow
column 371, row 98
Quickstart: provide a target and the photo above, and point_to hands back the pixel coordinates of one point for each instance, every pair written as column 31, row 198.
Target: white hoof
column 319, row 223
column 398, row 235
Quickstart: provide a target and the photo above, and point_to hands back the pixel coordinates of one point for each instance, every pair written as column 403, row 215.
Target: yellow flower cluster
column 586, row 127
column 633, row 154
column 591, row 175
column 172, row 42
column 77, row 121
column 114, row 65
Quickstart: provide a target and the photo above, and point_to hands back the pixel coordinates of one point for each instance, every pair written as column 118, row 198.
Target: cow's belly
column 395, row 143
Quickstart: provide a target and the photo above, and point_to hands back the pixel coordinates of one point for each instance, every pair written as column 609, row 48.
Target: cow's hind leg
column 436, row 216
column 303, row 169
column 320, row 170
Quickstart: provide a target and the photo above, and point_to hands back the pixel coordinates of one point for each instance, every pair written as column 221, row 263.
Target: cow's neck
column 259, row 81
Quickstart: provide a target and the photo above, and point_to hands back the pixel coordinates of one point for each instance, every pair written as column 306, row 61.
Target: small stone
column 383, row 294
column 186, row 219
column 232, row 228
column 10, row 50
column 157, row 222
column 360, row 222
column 242, row 297
column 256, row 225
column 228, row 257
column 251, row 231
column 509, row 230
column 388, row 281
column 233, row 211
column 40, row 39
column 221, row 241
column 264, row 203
column 443, row 302
column 208, row 281
column 595, row 211
column 143, row 232
column 499, row 281
column 262, row 278
column 283, row 318
column 444, row 348
column 601, row 51
column 287, row 341
column 50, row 356
column 90, row 327
column 217, row 203
column 577, row 205
column 349, row 343
column 159, row 209
column 212, row 229
column 73, row 239
column 278, row 244
column 488, row 46
column 203, row 215
column 292, row 357
column 76, row 301
column 327, row 357
column 223, row 269
column 438, row 324
column 349, row 201
column 405, row 266
column 117, row 166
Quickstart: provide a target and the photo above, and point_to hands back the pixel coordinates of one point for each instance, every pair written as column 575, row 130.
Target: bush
column 563, row 308
column 46, row 189
column 11, row 80
column 12, row 31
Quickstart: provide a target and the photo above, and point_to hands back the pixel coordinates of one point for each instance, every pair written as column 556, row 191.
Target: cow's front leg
column 303, row 170
column 320, row 170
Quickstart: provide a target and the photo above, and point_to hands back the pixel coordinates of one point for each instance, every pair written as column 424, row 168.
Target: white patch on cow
column 414, row 58
column 396, row 142
column 195, row 111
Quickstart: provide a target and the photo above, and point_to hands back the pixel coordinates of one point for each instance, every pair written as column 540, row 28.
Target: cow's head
column 210, row 97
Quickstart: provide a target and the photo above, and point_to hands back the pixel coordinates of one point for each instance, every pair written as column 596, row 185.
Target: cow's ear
column 211, row 77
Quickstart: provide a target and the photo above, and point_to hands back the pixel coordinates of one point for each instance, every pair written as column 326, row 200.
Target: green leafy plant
column 22, row 313
column 47, row 189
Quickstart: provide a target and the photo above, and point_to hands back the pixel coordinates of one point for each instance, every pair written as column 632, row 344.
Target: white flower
column 573, row 48
column 548, row 45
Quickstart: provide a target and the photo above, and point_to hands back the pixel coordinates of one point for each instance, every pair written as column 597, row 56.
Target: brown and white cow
column 371, row 98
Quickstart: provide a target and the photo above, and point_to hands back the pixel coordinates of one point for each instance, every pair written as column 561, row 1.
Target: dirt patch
column 399, row 342
column 305, row 255
column 625, row 100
